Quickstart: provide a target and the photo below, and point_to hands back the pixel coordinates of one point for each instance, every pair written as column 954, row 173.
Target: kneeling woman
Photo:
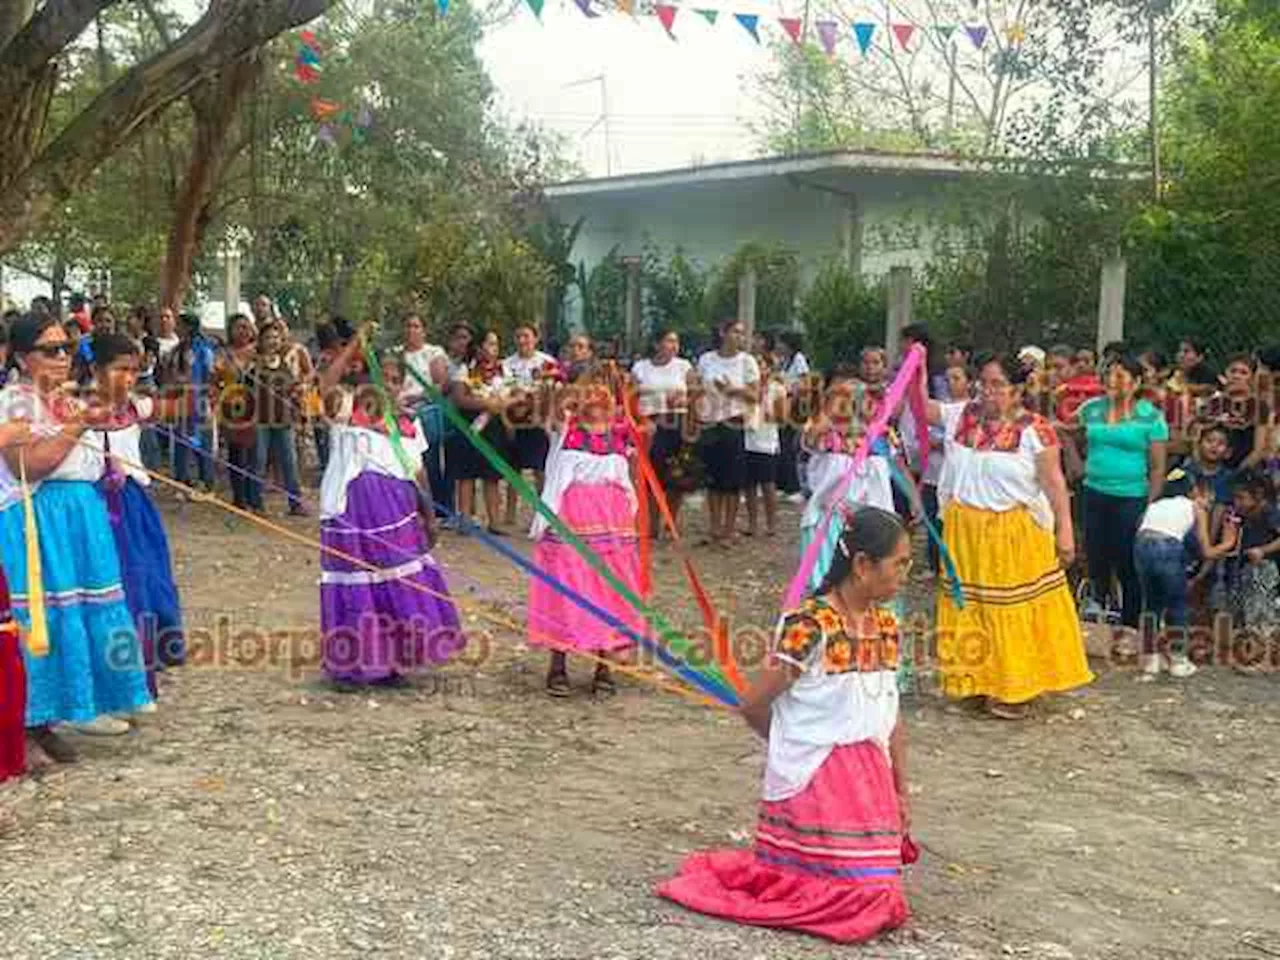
column 94, row 666
column 831, row 834
column 378, row 625
column 1007, row 524
column 145, row 561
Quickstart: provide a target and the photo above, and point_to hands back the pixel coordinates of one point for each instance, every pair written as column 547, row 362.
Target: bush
column 841, row 313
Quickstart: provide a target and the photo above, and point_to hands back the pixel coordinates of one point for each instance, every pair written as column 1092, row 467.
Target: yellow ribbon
column 38, row 632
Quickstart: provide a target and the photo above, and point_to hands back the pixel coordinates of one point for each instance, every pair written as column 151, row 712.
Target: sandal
column 1008, row 711
column 558, row 685
column 602, row 684
column 52, row 745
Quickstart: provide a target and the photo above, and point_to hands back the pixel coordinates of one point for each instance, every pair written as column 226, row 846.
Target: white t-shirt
column 419, row 361
column 663, row 388
column 740, row 370
column 797, row 368
column 524, row 371
column 762, row 429
column 166, row 345
column 1171, row 516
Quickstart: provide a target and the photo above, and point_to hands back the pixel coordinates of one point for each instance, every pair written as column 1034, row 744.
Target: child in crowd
column 1160, row 557
column 1247, row 585
column 145, row 562
column 763, row 449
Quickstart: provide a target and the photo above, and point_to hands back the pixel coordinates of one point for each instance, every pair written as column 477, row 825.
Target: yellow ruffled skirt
column 1018, row 635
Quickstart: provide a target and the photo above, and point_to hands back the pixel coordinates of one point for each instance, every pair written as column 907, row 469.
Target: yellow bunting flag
column 38, row 633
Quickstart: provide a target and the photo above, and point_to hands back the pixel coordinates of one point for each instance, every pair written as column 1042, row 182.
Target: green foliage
column 841, row 313
column 604, row 297
column 675, row 295
column 554, row 240
column 777, row 285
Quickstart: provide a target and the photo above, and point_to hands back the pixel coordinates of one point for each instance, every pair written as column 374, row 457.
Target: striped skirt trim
column 1011, row 595
column 112, row 593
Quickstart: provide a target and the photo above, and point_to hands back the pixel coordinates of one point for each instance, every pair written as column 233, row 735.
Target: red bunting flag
column 667, row 17
column 306, row 73
column 792, row 26
column 904, row 32
column 309, row 38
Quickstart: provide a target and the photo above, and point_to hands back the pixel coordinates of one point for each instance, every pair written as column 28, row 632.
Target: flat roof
column 837, row 162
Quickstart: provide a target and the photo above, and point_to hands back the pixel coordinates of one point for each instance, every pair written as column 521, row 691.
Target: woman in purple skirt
column 377, row 624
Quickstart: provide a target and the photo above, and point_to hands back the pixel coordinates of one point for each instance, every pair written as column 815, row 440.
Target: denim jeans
column 203, row 456
column 929, row 500
column 1162, row 572
column 276, row 443
column 432, row 423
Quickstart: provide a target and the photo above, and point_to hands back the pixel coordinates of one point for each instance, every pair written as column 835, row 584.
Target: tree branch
column 43, row 37
column 225, row 33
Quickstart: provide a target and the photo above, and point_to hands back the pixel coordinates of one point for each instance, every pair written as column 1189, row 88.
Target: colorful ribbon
column 675, row 642
column 38, row 632
column 908, row 488
column 892, row 401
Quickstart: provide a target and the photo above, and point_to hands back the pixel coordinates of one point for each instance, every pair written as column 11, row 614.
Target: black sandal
column 558, row 684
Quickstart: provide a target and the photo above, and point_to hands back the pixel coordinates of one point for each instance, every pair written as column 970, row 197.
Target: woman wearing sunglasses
column 93, row 668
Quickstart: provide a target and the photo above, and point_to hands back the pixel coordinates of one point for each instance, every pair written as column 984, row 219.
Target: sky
column 669, row 103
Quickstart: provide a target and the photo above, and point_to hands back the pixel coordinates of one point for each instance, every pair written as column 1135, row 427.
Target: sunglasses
column 52, row 349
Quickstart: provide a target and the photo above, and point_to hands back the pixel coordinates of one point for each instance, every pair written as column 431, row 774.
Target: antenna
column 603, row 119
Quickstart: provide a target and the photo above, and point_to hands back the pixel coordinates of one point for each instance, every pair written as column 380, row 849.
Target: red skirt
column 13, row 693
column 827, row 861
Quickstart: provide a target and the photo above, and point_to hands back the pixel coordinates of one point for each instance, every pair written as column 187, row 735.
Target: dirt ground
column 259, row 815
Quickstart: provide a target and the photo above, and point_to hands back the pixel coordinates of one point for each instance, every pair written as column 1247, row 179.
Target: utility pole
column 1152, row 92
column 602, row 120
column 802, row 79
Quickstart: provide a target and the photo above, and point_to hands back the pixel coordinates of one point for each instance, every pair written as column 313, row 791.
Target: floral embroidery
column 1003, row 436
column 816, row 621
column 617, row 440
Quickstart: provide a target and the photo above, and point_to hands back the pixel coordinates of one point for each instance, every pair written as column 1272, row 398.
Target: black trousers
column 1110, row 528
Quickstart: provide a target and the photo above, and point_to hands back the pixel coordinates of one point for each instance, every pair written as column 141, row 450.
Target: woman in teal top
column 1124, row 470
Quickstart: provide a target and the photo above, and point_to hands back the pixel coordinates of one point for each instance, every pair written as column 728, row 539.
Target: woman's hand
column 1066, row 548
column 1255, row 555
column 15, row 433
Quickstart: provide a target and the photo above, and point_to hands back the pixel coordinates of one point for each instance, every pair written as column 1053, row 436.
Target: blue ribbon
column 908, row 487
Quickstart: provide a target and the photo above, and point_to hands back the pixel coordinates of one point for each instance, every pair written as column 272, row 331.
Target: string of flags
column 908, row 36
column 331, row 115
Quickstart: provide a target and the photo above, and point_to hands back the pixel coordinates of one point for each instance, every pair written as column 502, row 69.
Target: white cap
column 1034, row 354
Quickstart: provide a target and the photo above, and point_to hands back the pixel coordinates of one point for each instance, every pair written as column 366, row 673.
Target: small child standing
column 1160, row 557
column 764, row 447
column 1247, row 587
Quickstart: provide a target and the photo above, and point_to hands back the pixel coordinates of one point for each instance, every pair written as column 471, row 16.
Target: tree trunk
column 58, row 282
column 229, row 30
column 215, row 109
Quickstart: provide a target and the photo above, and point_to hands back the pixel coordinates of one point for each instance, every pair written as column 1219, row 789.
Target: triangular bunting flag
column 1016, row 34
column 828, row 31
column 666, row 16
column 306, row 74
column 750, row 23
column 978, row 35
column 792, row 26
column 863, row 32
column 323, row 109
column 308, row 56
column 627, row 6
column 904, row 32
column 585, row 7
column 442, row 6
column 945, row 30
column 307, row 37
column 326, row 135
column 536, row 7
column 708, row 15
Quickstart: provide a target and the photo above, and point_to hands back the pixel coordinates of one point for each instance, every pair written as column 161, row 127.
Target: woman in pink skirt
column 589, row 487
column 831, row 837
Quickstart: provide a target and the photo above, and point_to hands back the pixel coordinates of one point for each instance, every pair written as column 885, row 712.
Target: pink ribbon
column 904, row 381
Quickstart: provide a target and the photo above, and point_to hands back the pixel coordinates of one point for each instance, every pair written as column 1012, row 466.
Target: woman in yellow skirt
column 1007, row 525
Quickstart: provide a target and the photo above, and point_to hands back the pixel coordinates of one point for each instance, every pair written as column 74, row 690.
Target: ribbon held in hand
column 904, row 381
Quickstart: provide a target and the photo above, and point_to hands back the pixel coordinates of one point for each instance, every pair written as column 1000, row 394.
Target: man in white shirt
column 525, row 371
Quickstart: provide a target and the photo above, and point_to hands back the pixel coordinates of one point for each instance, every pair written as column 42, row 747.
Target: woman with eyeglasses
column 1007, row 525
column 93, row 669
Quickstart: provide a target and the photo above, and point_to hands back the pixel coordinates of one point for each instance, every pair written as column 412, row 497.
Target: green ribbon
column 674, row 641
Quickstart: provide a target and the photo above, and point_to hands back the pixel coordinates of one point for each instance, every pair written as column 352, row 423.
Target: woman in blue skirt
column 140, row 540
column 93, row 668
